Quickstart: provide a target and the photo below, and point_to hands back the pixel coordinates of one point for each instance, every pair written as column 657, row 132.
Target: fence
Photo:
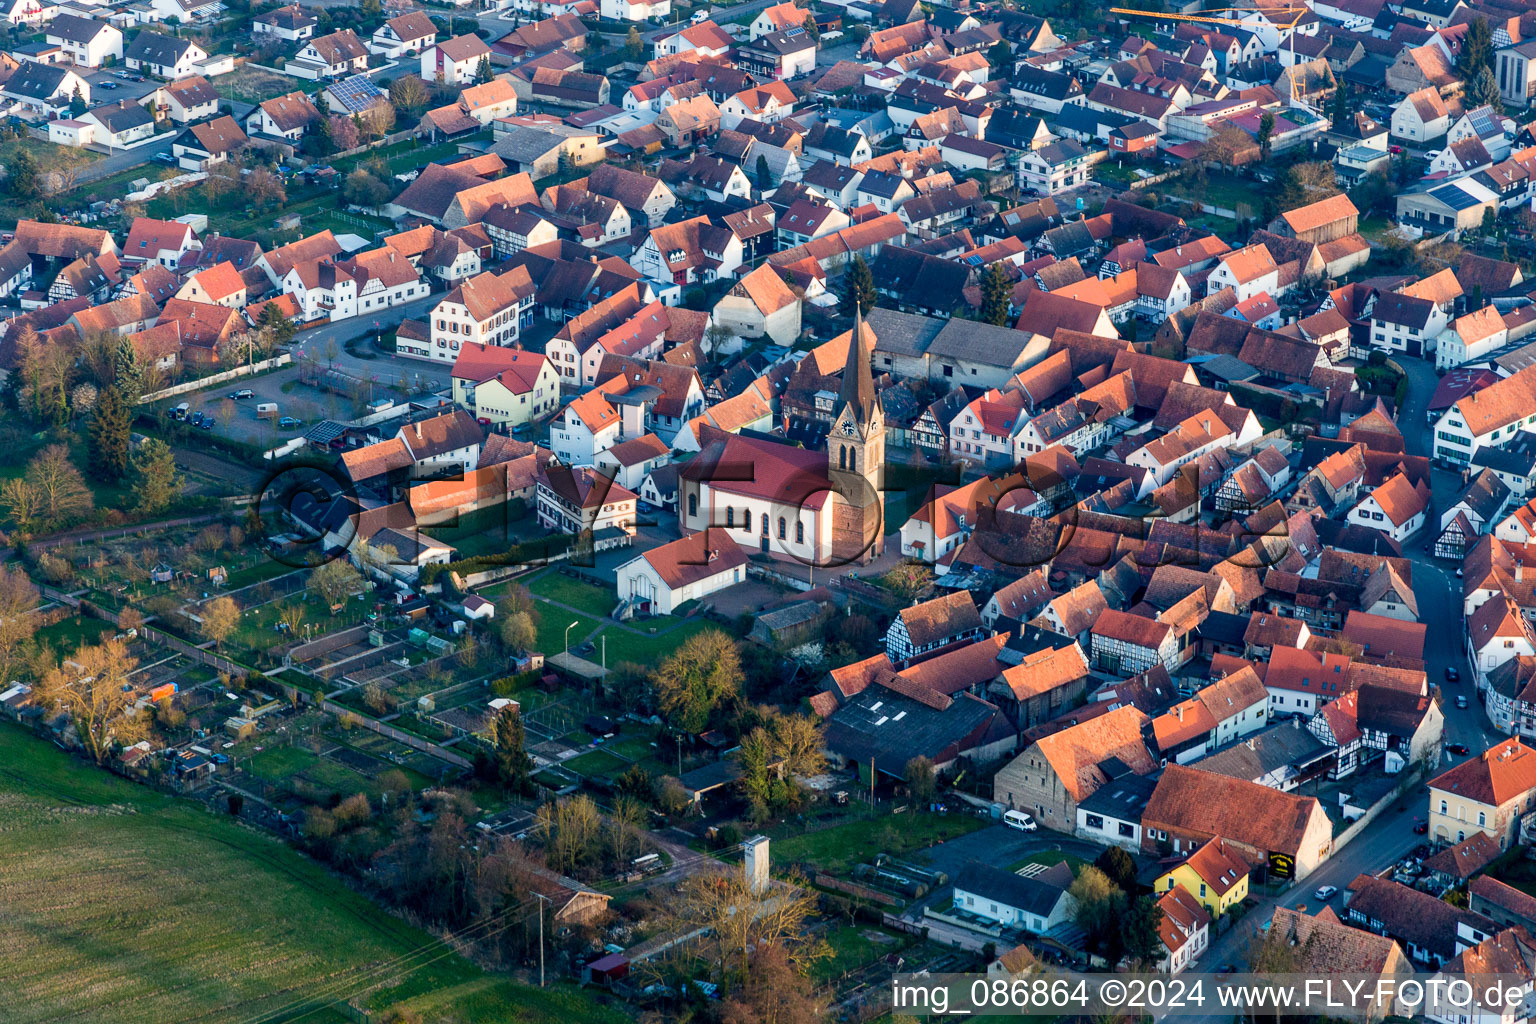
column 218, row 378
column 215, row 661
column 398, row 735
column 863, row 892
column 1358, row 825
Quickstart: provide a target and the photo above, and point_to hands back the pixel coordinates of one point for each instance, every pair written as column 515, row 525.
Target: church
column 819, row 508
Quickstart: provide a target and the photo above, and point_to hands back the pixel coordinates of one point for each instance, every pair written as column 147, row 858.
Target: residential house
column 939, row 624
column 662, row 578
column 163, row 56
column 1058, row 771
column 455, row 61
column 1487, row 793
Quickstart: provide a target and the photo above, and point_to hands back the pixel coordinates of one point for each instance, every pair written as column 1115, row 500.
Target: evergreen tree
column 279, row 326
column 1138, row 931
column 811, row 30
column 858, row 287
column 109, row 434
column 1338, row 110
column 318, row 140
column 764, row 174
column 127, row 372
column 1484, row 89
column 21, row 181
column 996, row 296
column 1266, row 132
column 634, row 46
column 1476, row 49
column 513, row 766
column 1000, row 56
column 77, row 104
column 483, row 72
column 158, row 482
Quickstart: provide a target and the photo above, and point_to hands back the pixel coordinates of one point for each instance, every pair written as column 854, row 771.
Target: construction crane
column 1208, row 17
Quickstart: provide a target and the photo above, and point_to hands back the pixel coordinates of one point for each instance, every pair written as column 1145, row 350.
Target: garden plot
column 324, row 649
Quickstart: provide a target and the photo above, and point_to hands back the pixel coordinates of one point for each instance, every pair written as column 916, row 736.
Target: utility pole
column 542, row 900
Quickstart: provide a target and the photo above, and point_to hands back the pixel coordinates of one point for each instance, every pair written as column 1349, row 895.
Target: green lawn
column 128, row 907
column 1049, row 857
column 265, row 569
column 594, row 599
column 839, row 848
column 67, row 635
column 648, row 649
column 852, row 946
column 552, row 624
column 596, row 764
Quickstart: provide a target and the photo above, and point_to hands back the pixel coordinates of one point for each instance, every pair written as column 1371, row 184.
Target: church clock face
column 848, row 427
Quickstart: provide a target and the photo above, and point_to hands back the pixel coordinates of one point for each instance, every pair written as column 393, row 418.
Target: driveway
column 1000, row 846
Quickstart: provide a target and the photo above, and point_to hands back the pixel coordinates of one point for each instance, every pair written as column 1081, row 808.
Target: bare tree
column 62, row 492
column 18, row 623
column 221, row 617
column 96, row 693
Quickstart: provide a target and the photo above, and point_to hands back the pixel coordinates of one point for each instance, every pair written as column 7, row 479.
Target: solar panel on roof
column 1454, row 196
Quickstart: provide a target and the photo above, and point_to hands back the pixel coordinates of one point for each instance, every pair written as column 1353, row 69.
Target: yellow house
column 1484, row 794
column 1216, row 875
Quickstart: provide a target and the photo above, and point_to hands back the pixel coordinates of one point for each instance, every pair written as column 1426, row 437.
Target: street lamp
column 568, row 637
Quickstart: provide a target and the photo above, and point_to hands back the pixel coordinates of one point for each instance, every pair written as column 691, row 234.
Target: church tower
column 856, row 456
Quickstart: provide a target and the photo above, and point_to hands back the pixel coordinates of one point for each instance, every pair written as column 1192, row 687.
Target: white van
column 1020, row 821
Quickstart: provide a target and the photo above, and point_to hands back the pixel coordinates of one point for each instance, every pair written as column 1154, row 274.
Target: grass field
column 67, row 635
column 596, row 764
column 591, row 598
column 118, row 904
column 839, row 848
column 552, row 626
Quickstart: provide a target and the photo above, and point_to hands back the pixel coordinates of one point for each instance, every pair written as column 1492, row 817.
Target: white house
column 1185, row 929
column 634, row 10
column 1248, row 272
column 760, row 305
column 164, row 56
column 454, row 61
column 1396, row 508
column 1470, row 338
column 488, row 310
column 1035, row 903
column 283, row 117
column 661, row 579
column 1055, row 168
column 330, row 56
column 589, row 424
column 1492, row 417
column 87, row 41
column 408, row 33
column 291, row 24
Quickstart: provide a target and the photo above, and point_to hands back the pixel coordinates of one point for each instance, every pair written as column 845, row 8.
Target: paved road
column 1384, row 842
column 1434, row 580
column 122, row 160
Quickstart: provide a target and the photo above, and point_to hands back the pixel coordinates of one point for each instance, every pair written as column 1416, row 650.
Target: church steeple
column 858, row 386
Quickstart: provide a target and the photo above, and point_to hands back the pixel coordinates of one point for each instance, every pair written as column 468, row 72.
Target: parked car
column 290, row 421
column 1459, row 749
column 242, row 393
column 1451, row 675
column 1461, row 701
column 197, row 419
column 107, row 85
column 1326, row 892
column 1420, row 828
column 164, row 158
